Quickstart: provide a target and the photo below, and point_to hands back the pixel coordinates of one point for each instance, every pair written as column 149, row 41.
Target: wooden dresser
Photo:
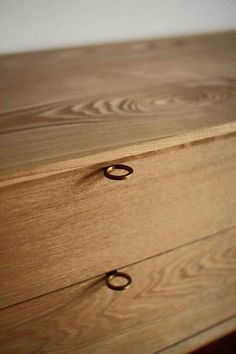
column 118, row 197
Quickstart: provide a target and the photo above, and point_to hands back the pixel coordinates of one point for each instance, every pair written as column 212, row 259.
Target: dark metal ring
column 115, row 274
column 108, row 171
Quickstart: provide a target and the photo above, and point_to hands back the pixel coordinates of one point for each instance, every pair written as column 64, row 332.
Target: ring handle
column 116, row 274
column 108, row 171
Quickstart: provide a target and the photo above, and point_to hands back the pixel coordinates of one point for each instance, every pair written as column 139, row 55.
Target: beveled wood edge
column 208, row 335
column 75, row 163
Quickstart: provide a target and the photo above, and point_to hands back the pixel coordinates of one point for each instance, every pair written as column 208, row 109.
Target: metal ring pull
column 108, row 171
column 112, row 275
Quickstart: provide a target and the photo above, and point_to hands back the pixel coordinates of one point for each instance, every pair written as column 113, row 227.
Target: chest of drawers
column 117, row 168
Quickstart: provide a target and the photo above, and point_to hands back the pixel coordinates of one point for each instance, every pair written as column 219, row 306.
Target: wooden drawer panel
column 63, row 229
column 144, row 339
column 173, row 296
column 201, row 339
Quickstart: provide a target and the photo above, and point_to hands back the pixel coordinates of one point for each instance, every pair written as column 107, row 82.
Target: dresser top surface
column 68, row 108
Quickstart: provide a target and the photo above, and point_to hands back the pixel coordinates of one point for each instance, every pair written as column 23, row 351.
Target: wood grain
column 145, row 339
column 165, row 107
column 67, row 109
column 61, row 230
column 172, row 297
column 203, row 338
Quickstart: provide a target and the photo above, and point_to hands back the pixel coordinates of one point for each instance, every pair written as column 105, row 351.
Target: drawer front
column 145, row 339
column 172, row 296
column 63, row 229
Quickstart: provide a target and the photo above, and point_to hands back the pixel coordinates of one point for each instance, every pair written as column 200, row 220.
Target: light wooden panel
column 65, row 229
column 172, row 297
column 70, row 108
column 202, row 338
column 145, row 339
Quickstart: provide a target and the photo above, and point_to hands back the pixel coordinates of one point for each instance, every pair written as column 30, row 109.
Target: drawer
column 172, row 296
column 67, row 228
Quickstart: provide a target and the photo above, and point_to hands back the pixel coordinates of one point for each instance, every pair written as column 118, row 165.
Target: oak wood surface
column 147, row 338
column 173, row 296
column 200, row 340
column 61, row 230
column 166, row 107
column 66, row 109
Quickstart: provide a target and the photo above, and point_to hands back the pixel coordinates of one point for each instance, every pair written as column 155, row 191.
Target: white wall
column 38, row 24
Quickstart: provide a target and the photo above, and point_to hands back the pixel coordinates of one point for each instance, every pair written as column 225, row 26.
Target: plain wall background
column 40, row 24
